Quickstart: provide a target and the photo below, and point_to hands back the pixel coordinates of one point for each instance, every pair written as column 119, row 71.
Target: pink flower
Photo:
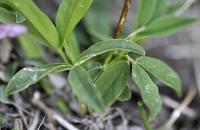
column 11, row 30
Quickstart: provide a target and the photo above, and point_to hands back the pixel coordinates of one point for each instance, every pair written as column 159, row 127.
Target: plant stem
column 143, row 116
column 120, row 25
column 122, row 18
column 186, row 5
column 64, row 58
column 135, row 33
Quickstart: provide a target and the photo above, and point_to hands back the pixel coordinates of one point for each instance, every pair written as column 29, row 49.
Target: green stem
column 135, row 33
column 64, row 58
column 143, row 116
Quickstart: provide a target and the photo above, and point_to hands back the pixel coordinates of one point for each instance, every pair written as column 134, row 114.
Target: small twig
column 18, row 125
column 18, row 107
column 50, row 113
column 176, row 114
column 41, row 122
column 185, row 6
column 169, row 102
column 35, row 121
column 125, row 122
column 122, row 18
column 20, row 110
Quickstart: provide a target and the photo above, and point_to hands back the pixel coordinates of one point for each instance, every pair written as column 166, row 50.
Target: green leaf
column 168, row 25
column 98, row 19
column 28, row 76
column 72, row 48
column 94, row 69
column 38, row 19
column 125, row 95
column 69, row 14
column 112, row 81
column 161, row 8
column 35, row 34
column 174, row 7
column 30, row 47
column 107, row 46
column 6, row 16
column 145, row 13
column 148, row 90
column 162, row 72
column 2, row 94
column 84, row 88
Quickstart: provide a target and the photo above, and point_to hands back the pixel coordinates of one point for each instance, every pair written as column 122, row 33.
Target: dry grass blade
column 18, row 125
column 176, row 114
column 50, row 113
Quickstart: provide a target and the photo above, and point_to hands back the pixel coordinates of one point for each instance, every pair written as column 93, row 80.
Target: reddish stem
column 122, row 19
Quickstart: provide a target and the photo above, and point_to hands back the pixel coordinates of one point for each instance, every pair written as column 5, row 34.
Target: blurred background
column 180, row 51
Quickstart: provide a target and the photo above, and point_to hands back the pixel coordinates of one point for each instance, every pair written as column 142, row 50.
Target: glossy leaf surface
column 110, row 45
column 84, row 88
column 148, row 90
column 112, row 81
column 162, row 72
column 28, row 76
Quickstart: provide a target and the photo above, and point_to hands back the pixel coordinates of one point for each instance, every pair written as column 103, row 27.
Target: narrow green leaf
column 30, row 47
column 161, row 8
column 107, row 46
column 84, row 89
column 2, row 94
column 28, row 76
column 168, row 25
column 112, row 81
column 125, row 95
column 6, row 16
column 148, row 90
column 38, row 19
column 172, row 8
column 35, row 34
column 162, row 72
column 69, row 14
column 145, row 13
column 98, row 19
